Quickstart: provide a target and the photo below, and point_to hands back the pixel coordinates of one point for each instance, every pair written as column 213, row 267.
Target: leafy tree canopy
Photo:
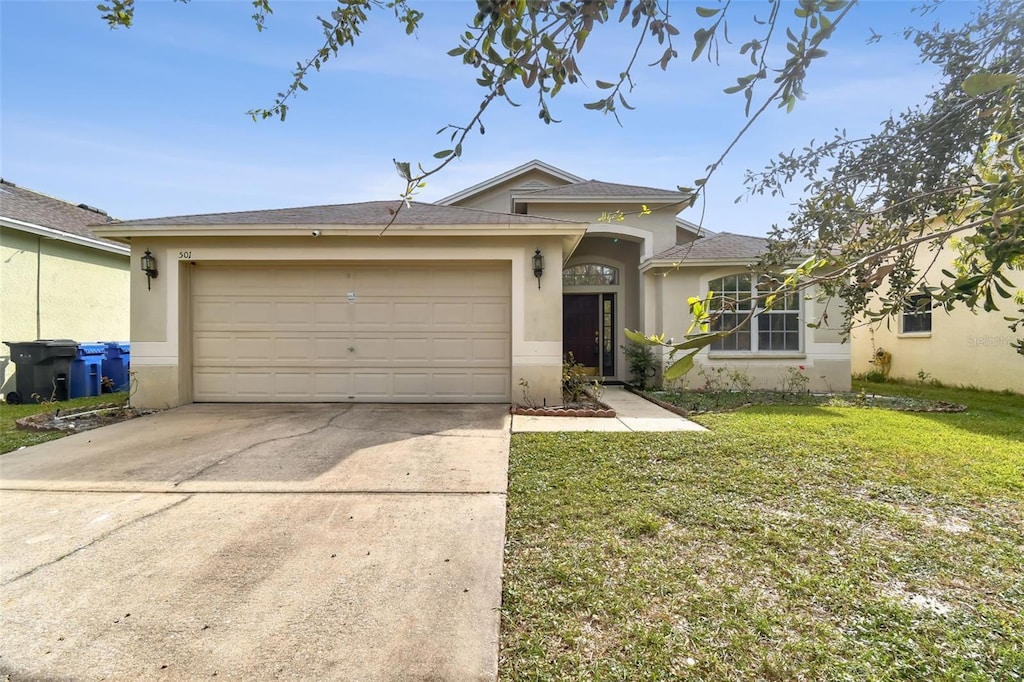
column 950, row 172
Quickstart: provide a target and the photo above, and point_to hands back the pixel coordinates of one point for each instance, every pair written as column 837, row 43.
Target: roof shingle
column 605, row 190
column 364, row 213
column 26, row 206
column 722, row 246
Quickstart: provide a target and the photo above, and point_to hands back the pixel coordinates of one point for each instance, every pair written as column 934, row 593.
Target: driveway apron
column 340, row 542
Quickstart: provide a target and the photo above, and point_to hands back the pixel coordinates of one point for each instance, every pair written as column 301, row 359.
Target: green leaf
column 604, row 85
column 680, row 367
column 444, row 153
column 699, row 341
column 700, row 39
column 638, row 337
column 708, row 12
column 982, row 83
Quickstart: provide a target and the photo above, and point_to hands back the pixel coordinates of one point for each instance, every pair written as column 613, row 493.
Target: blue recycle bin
column 86, row 371
column 116, row 363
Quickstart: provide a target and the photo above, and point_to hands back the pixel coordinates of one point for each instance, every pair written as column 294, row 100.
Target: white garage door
column 351, row 332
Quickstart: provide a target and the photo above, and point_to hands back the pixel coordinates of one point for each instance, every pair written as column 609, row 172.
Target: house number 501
column 185, row 254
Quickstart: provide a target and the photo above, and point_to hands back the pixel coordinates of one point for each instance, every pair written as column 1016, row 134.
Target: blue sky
column 151, row 121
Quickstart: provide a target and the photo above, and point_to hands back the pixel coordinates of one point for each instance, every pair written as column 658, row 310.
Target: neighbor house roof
column 364, row 213
column 29, row 211
column 724, row 246
column 597, row 189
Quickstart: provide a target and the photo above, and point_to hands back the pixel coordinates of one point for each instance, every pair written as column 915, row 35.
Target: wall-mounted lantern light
column 538, row 266
column 149, row 267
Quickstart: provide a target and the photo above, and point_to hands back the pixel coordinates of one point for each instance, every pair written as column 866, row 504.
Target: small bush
column 574, row 379
column 641, row 362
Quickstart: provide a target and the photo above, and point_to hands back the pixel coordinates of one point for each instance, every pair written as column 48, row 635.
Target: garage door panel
column 293, row 348
column 217, row 385
column 489, row 350
column 265, row 332
column 332, row 385
column 293, row 312
column 334, row 350
column 374, row 385
column 492, row 385
column 371, row 349
column 295, row 385
column 332, row 313
column 254, row 348
column 490, row 314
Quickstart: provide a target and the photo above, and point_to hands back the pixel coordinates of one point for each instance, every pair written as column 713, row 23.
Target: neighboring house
column 958, row 347
column 324, row 304
column 59, row 280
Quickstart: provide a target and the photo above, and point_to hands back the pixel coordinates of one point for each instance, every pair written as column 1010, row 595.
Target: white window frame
column 910, row 310
column 753, row 327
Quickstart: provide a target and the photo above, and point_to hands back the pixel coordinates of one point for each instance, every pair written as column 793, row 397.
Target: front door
column 581, row 328
column 588, row 331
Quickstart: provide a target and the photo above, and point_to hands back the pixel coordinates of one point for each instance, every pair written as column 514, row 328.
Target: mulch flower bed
column 591, row 408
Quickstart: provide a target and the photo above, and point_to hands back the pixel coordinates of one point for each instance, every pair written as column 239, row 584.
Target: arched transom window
column 590, row 274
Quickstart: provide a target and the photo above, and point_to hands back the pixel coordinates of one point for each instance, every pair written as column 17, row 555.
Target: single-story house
column 476, row 298
column 957, row 347
column 59, row 279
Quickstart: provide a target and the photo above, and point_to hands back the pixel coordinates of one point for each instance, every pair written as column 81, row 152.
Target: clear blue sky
column 151, row 121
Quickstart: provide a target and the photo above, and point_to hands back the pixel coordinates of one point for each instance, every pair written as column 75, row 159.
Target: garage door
column 391, row 333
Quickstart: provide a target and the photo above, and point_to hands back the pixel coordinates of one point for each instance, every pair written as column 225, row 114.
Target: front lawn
column 12, row 438
column 791, row 542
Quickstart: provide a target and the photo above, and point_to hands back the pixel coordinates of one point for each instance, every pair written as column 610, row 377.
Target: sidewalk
column 633, row 413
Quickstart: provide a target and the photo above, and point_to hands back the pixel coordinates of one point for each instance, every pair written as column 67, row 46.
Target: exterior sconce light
column 538, row 266
column 149, row 267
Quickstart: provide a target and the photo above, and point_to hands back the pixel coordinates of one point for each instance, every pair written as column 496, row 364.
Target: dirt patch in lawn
column 81, row 419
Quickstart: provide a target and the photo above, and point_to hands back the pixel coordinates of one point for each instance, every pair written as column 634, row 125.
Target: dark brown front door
column 581, row 328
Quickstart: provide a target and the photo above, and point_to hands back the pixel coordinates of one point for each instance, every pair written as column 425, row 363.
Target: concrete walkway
column 633, row 413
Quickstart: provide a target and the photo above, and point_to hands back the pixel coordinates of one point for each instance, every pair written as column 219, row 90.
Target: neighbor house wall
column 160, row 327
column 54, row 289
column 963, row 348
column 824, row 358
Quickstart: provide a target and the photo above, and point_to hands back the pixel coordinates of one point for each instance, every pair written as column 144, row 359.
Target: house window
column 917, row 314
column 590, row 274
column 770, row 330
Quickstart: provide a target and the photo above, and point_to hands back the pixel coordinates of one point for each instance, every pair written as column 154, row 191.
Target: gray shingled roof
column 722, row 246
column 24, row 205
column 605, row 190
column 364, row 213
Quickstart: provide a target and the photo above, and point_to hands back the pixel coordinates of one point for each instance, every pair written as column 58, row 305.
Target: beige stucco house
column 440, row 302
column 956, row 347
column 58, row 278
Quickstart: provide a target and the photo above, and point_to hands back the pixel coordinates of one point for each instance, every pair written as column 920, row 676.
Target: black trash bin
column 43, row 367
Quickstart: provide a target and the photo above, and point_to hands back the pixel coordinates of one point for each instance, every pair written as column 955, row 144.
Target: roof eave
column 599, row 199
column 127, row 231
column 61, row 235
column 655, row 263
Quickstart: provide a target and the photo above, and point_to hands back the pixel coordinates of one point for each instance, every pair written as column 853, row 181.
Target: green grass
column 792, row 542
column 12, row 438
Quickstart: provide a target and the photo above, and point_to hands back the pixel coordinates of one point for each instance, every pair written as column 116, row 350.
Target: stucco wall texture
column 51, row 289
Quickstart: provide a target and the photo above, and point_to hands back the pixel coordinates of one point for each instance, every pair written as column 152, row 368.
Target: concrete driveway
column 343, row 542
